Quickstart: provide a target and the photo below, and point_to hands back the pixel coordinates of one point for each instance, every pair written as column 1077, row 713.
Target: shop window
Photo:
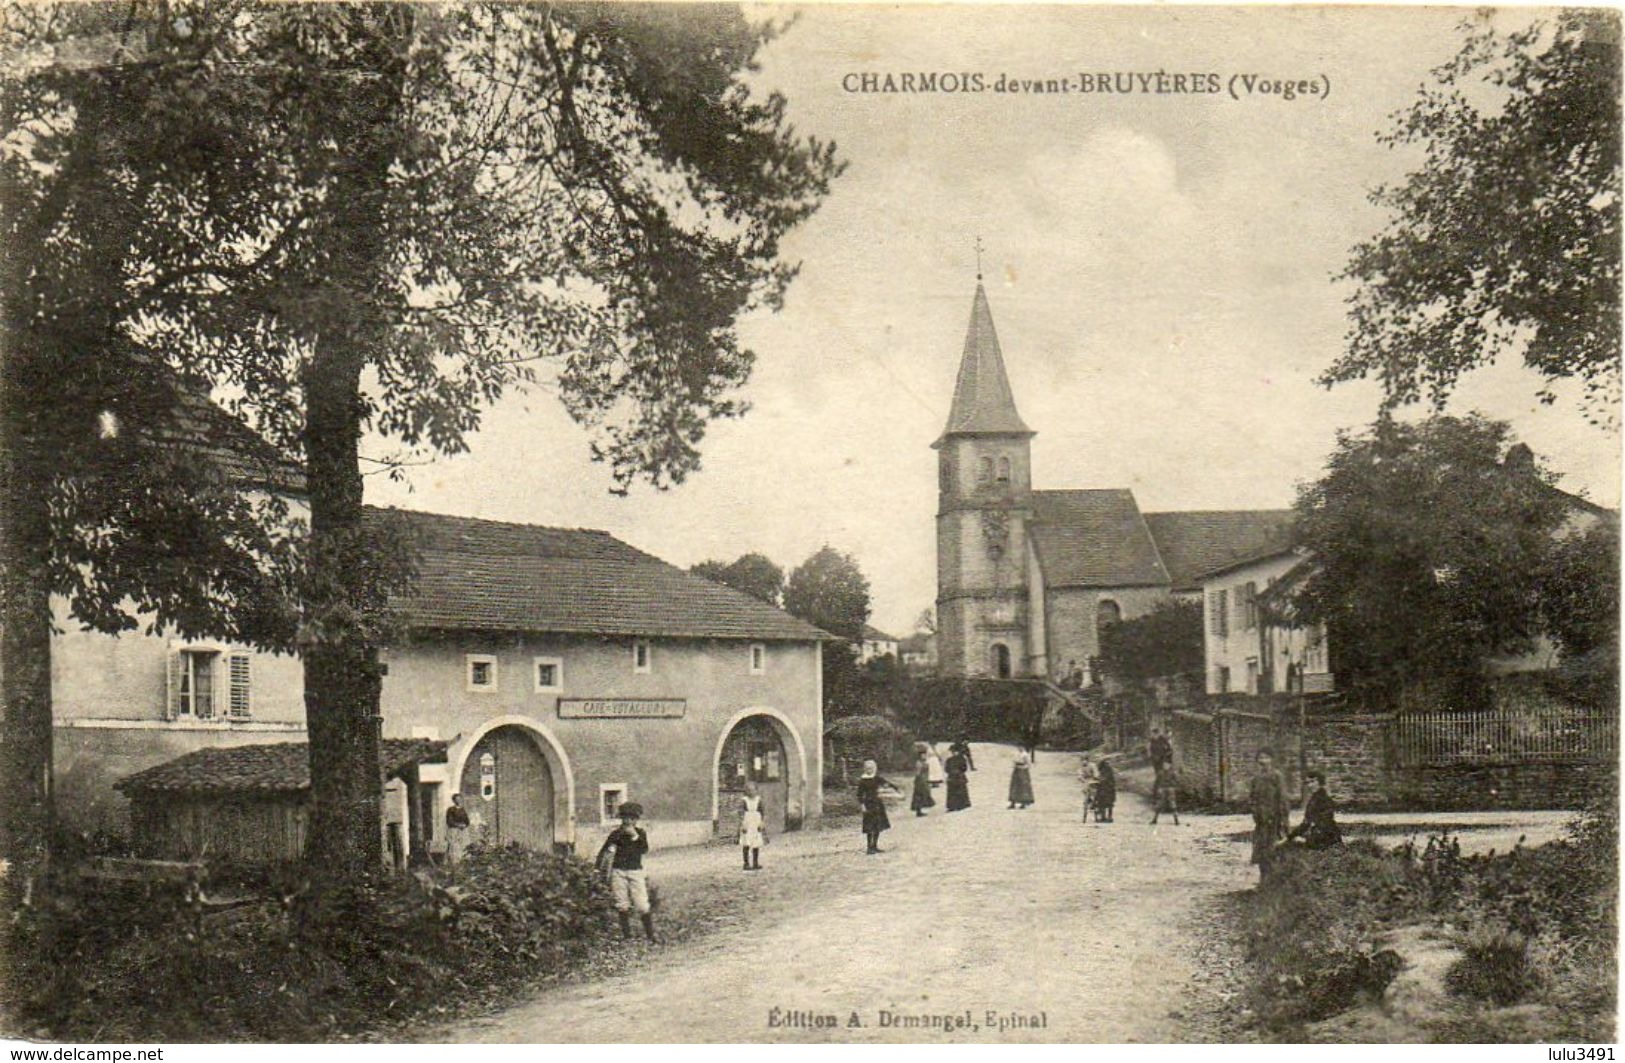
column 758, row 658
column 488, row 776
column 549, row 675
column 642, row 656
column 482, row 672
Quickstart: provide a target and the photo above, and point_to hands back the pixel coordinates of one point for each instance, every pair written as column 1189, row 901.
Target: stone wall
column 1352, row 751
column 1528, row 785
column 1215, row 752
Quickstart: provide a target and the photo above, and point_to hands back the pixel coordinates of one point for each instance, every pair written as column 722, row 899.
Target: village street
column 1097, row 928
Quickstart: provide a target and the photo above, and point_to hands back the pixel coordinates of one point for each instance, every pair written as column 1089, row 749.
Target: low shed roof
column 270, row 768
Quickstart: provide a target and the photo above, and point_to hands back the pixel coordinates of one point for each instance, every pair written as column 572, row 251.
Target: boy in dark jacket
column 622, row 856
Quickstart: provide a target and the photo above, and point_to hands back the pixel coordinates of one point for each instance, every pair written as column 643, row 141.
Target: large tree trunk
column 341, row 667
column 25, row 641
column 342, row 677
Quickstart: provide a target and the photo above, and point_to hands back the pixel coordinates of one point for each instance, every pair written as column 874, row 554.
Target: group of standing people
column 930, row 772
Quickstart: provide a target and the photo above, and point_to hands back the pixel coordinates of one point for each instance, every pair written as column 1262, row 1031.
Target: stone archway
column 489, row 740
column 795, row 778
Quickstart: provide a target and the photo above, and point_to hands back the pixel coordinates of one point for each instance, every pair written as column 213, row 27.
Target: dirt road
column 1029, row 918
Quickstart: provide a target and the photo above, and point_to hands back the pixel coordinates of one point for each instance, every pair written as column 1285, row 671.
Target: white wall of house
column 124, row 703
column 1237, row 647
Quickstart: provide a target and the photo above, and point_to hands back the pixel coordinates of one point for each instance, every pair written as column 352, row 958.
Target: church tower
column 984, row 503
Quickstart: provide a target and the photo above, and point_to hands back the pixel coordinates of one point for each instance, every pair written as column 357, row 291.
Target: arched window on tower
column 1000, row 660
column 984, row 471
column 1107, row 613
column 1004, row 470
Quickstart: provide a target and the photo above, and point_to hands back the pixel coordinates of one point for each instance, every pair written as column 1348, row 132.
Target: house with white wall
column 1248, row 645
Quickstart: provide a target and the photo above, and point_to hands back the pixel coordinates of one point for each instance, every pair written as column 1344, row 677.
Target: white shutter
column 240, row 680
column 172, row 684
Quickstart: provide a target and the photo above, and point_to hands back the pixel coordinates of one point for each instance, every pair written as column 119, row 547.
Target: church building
column 1027, row 578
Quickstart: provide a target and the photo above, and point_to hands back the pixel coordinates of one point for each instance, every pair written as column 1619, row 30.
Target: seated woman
column 1318, row 828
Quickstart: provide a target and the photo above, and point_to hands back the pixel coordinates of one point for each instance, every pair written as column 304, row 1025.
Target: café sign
column 621, row 708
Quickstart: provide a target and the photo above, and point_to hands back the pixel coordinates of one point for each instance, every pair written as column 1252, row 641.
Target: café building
column 548, row 675
column 568, row 672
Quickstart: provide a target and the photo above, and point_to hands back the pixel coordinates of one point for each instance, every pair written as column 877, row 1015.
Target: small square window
column 482, row 673
column 549, row 675
column 642, row 656
column 758, row 659
column 611, row 796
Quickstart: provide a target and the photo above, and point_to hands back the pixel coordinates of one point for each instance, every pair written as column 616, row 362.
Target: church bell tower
column 984, row 503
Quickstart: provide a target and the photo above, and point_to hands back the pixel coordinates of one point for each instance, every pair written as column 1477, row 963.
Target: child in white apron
column 750, row 830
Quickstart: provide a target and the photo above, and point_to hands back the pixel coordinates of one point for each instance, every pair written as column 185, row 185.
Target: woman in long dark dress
column 875, row 819
column 958, row 784
column 1021, row 783
column 922, row 799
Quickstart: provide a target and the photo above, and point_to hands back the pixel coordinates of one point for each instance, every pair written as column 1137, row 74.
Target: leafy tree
column 830, row 591
column 384, row 216
column 1580, row 591
column 926, row 622
column 1167, row 641
column 1428, row 552
column 112, row 495
column 752, row 574
column 1507, row 239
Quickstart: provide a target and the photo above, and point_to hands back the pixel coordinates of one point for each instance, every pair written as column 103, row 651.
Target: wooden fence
column 1502, row 735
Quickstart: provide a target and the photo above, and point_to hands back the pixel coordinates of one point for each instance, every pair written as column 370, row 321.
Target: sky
column 1160, row 269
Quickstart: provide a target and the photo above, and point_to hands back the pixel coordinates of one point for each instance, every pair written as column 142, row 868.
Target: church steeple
column 983, row 403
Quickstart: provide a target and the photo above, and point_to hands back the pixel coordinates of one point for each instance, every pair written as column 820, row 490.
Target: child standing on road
column 1165, row 793
column 622, row 853
column 751, row 835
column 875, row 819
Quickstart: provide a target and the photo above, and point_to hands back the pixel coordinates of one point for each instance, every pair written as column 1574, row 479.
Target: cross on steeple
column 978, row 258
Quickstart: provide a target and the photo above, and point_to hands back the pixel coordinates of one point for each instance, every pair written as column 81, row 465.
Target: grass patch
column 1533, row 927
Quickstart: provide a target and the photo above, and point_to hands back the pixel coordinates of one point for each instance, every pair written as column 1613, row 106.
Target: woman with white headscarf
column 875, row 819
column 1021, row 782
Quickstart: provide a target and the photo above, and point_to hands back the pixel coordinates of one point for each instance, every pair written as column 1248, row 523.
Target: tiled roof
column 1193, row 544
column 983, row 403
column 201, row 426
column 874, row 634
column 1094, row 539
column 271, row 768
column 481, row 575
column 196, row 424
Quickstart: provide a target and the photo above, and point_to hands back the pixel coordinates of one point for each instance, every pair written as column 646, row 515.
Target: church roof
column 1094, row 539
column 983, row 402
column 1195, row 543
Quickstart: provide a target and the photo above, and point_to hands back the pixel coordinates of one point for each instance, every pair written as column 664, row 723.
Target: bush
column 386, row 947
column 1494, row 966
column 871, row 738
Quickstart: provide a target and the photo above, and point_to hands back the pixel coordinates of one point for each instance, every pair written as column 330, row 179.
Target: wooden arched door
column 507, row 784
